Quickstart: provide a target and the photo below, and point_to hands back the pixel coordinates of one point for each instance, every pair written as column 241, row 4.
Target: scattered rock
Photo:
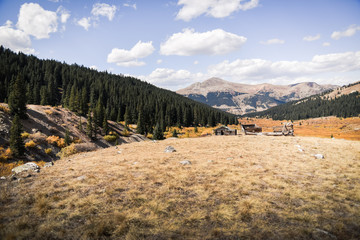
column 134, row 163
column 49, row 164
column 322, row 234
column 81, row 178
column 301, row 150
column 116, row 147
column 154, row 141
column 319, row 156
column 30, row 166
column 119, row 152
column 2, row 178
column 230, row 158
column 185, row 162
column 298, row 146
column 210, row 161
column 170, row 149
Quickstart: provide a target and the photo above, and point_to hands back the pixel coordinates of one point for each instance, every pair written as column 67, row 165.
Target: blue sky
column 174, row 43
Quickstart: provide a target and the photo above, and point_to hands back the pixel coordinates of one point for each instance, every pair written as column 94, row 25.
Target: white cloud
column 172, row 79
column 64, row 14
column 259, row 69
column 159, row 61
column 130, row 5
column 188, row 42
column 16, row 40
column 273, row 41
column 85, row 23
column 36, row 21
column 94, row 67
column 311, row 38
column 129, row 58
column 103, row 9
column 215, row 8
column 326, row 44
column 350, row 31
column 196, row 62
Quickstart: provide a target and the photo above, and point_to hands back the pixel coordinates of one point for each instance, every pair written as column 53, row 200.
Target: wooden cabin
column 253, row 128
column 224, row 130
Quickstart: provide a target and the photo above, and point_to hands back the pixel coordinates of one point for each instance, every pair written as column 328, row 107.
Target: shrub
column 125, row 133
column 110, row 138
column 49, row 112
column 67, row 151
column 38, row 137
column 25, row 135
column 48, row 151
column 5, row 154
column 30, row 144
column 4, row 108
column 56, row 141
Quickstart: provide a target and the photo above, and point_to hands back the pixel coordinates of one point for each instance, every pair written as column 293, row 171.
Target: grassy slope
column 238, row 186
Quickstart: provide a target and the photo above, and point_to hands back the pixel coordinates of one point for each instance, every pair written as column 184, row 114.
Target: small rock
column 185, row 162
column 170, row 149
column 81, row 178
column 301, row 150
column 154, row 141
column 134, row 163
column 319, row 156
column 116, row 147
column 298, row 146
column 3, row 178
column 210, row 161
column 230, row 158
column 119, row 152
column 30, row 166
column 48, row 164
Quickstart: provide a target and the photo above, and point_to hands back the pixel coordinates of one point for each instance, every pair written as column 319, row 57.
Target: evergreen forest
column 313, row 107
column 100, row 95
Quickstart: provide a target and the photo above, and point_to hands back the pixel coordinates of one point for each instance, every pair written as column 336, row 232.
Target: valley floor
column 252, row 187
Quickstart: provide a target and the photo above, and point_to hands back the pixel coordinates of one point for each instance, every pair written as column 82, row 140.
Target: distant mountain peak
column 240, row 98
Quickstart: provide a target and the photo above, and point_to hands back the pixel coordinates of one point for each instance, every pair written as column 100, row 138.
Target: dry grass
column 325, row 127
column 254, row 187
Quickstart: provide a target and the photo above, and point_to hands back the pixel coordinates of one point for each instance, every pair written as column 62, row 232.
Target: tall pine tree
column 17, row 98
column 16, row 143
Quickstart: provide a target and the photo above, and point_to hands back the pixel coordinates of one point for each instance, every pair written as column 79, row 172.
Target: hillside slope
column 47, row 121
column 243, row 98
column 341, row 102
column 256, row 191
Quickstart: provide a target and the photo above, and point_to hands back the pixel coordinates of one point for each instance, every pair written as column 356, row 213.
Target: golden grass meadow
column 236, row 187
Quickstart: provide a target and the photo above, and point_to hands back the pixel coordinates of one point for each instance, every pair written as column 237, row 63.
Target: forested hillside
column 107, row 96
column 347, row 105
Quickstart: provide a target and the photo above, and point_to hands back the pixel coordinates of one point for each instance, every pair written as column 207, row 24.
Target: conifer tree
column 89, row 125
column 174, row 133
column 67, row 137
column 17, row 98
column 80, row 125
column 141, row 128
column 105, row 125
column 16, row 143
column 158, row 134
column 127, row 118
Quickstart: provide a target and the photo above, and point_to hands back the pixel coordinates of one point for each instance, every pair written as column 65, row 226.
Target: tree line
column 100, row 96
column 313, row 107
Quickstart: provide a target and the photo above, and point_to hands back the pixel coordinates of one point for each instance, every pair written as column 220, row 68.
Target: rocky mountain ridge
column 240, row 98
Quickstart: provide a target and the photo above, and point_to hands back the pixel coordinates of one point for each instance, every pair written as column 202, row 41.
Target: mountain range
column 240, row 98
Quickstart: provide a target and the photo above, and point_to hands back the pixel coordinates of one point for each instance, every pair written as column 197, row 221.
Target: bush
column 38, row 137
column 48, row 151
column 30, row 144
column 4, row 109
column 25, row 135
column 110, row 138
column 48, row 112
column 56, row 141
column 125, row 133
column 67, row 151
column 5, row 154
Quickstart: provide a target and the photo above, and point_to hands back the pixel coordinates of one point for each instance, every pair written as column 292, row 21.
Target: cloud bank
column 188, row 43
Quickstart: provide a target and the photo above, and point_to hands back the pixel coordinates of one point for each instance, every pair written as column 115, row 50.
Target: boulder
column 81, row 178
column 169, row 149
column 185, row 162
column 49, row 164
column 319, row 156
column 30, row 166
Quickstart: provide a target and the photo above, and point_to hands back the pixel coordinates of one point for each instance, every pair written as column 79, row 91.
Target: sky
column 174, row 43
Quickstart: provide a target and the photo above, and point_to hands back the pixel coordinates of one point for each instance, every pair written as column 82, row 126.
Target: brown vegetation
column 253, row 187
column 325, row 127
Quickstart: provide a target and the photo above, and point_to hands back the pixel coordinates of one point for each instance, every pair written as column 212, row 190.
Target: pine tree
column 17, row 98
column 80, row 125
column 105, row 125
column 158, row 134
column 89, row 125
column 127, row 117
column 67, row 137
column 141, row 128
column 174, row 133
column 16, row 143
